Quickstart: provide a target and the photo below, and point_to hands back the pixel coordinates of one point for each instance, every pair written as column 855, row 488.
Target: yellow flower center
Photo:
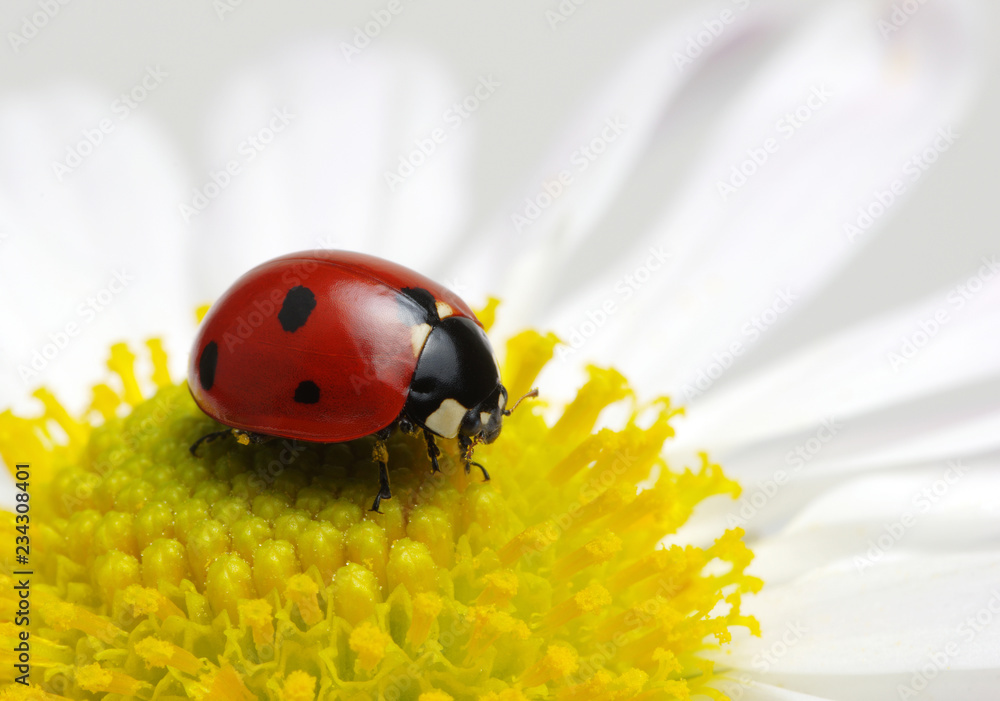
column 258, row 572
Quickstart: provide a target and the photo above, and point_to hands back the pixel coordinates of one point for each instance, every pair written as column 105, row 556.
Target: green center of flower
column 258, row 572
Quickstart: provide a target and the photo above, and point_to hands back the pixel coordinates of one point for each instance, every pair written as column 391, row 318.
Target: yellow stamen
column 225, row 684
column 302, row 590
column 534, row 539
column 299, row 686
column 94, row 678
column 558, row 662
column 145, row 601
column 55, row 411
column 596, row 552
column 500, row 587
column 63, row 616
column 488, row 625
column 426, row 608
column 122, row 362
column 593, row 598
column 603, row 388
column 257, row 615
column 369, row 643
column 532, row 352
column 161, row 373
column 160, row 653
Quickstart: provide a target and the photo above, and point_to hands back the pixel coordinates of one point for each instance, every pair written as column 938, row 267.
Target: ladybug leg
column 380, row 454
column 208, row 438
column 432, row 450
column 486, row 475
column 250, row 438
column 242, row 437
column 468, row 446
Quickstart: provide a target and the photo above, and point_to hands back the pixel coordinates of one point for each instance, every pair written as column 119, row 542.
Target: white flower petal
column 92, row 253
column 737, row 267
column 746, row 689
column 587, row 169
column 891, row 362
column 946, row 685
column 320, row 179
column 894, row 618
column 746, row 263
column 931, row 510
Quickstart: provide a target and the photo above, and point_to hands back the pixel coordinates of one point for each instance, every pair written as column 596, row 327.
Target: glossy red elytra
column 329, row 346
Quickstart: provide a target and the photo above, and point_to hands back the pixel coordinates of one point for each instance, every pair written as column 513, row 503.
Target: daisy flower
column 610, row 557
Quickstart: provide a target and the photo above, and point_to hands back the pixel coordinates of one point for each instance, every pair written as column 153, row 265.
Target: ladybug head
column 482, row 423
column 456, row 385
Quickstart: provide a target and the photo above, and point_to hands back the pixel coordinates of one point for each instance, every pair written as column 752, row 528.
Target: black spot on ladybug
column 428, row 305
column 295, row 310
column 206, row 365
column 307, row 392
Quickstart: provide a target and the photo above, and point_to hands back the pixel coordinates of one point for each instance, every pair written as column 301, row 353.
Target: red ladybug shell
column 318, row 346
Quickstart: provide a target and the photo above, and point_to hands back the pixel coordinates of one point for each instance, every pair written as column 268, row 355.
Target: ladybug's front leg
column 208, row 438
column 432, row 450
column 380, row 454
column 467, row 445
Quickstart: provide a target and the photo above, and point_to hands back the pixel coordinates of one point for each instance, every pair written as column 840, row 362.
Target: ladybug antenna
column 532, row 393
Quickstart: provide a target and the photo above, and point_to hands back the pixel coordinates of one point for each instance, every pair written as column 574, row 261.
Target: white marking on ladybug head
column 484, row 417
column 444, row 310
column 447, row 419
column 418, row 336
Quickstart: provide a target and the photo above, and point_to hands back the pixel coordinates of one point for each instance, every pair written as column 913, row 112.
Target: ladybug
column 329, row 346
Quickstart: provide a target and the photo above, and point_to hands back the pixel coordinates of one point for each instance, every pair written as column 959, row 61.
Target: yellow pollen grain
column 488, row 625
column 303, row 591
column 593, row 598
column 500, row 587
column 589, row 600
column 299, row 686
column 369, row 643
column 63, row 616
column 558, row 662
column 145, row 601
column 160, row 653
column 95, row 679
column 257, row 614
column 598, row 686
